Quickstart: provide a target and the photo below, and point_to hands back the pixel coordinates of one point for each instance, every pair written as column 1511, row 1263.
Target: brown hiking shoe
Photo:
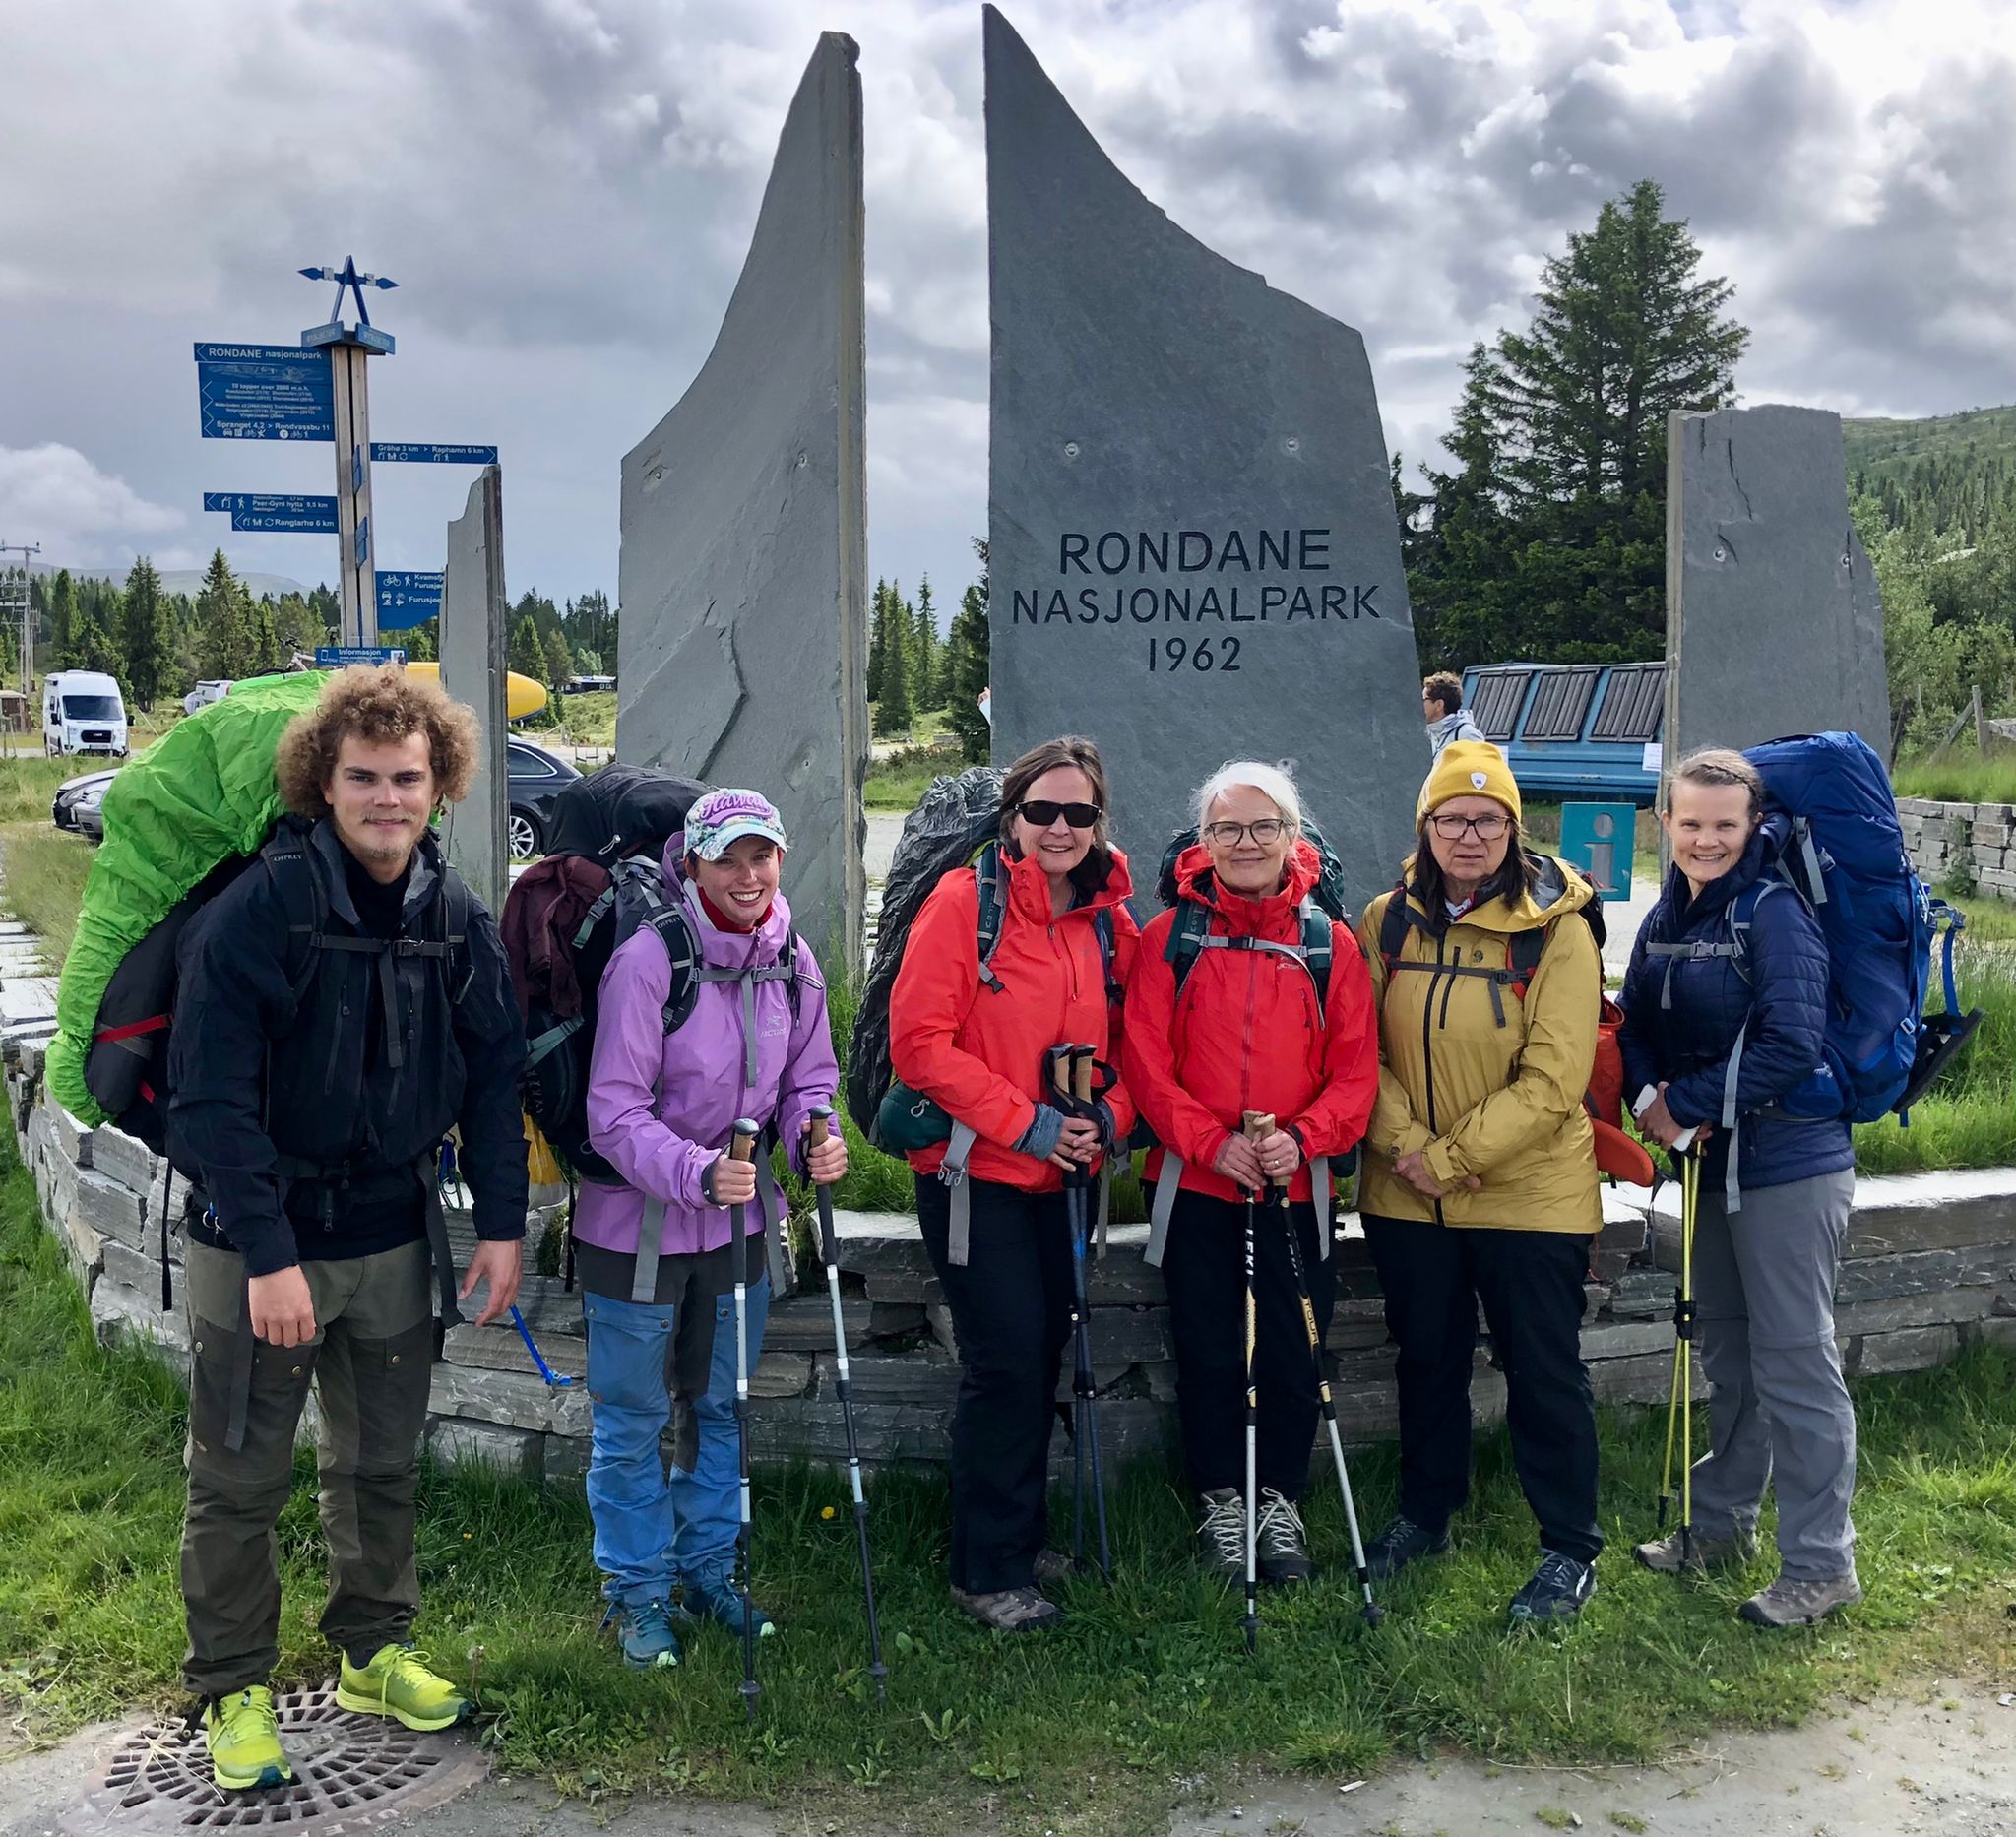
column 1790, row 1603
column 1709, row 1552
column 1011, row 1610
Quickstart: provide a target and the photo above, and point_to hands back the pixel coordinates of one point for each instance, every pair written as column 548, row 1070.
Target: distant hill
column 1878, row 450
column 187, row 579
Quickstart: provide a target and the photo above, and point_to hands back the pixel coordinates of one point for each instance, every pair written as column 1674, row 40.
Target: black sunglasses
column 1040, row 813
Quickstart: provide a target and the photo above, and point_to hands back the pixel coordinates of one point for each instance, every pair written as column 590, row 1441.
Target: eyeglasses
column 1266, row 832
column 1489, row 828
column 1040, row 813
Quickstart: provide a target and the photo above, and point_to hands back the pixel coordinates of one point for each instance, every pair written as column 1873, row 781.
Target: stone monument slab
column 1774, row 624
column 474, row 669
column 1193, row 549
column 744, row 576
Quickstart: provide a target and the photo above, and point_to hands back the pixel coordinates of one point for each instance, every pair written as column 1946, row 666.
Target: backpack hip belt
column 1171, row 1179
column 650, row 1230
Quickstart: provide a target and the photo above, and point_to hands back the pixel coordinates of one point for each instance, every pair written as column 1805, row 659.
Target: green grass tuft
column 1960, row 778
column 45, row 870
column 1146, row 1696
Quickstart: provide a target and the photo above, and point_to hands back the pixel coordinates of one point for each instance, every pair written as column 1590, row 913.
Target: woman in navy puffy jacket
column 1725, row 1012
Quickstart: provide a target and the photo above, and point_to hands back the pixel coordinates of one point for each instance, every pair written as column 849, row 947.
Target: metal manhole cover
column 352, row 1773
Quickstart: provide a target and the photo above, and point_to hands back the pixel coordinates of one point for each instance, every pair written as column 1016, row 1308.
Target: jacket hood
column 1029, row 887
column 718, row 949
column 1559, row 888
column 424, row 871
column 1196, row 881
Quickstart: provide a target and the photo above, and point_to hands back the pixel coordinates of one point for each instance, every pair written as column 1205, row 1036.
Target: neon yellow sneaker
column 243, row 1739
column 398, row 1684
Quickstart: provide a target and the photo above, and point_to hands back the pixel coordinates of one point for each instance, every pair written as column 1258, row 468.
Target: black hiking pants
column 1204, row 1269
column 1011, row 1315
column 1529, row 1284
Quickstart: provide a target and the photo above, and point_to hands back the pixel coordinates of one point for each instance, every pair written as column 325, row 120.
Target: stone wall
column 1932, row 1265
column 1976, row 838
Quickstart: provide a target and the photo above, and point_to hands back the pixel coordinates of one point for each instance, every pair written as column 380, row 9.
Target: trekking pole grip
column 743, row 1145
column 822, row 1125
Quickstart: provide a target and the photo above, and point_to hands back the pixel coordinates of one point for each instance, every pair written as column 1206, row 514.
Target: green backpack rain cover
column 202, row 794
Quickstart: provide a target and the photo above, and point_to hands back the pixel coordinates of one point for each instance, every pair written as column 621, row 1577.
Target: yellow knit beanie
column 1468, row 769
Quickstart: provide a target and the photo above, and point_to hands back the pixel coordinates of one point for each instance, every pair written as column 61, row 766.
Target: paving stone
column 499, row 1348
column 511, row 1399
column 518, row 1452
column 781, row 1374
column 928, row 1376
column 1910, row 1349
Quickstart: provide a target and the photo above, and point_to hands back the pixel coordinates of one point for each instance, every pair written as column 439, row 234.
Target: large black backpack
column 618, row 822
column 127, row 1067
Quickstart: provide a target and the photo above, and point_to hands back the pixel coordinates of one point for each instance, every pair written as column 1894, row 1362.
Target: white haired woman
column 1228, row 1010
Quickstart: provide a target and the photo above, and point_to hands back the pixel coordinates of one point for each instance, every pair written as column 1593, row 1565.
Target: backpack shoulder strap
column 455, row 902
column 294, row 876
column 1102, row 930
column 1523, row 955
column 683, row 951
column 988, row 876
column 1187, row 931
column 1393, row 925
column 1317, row 945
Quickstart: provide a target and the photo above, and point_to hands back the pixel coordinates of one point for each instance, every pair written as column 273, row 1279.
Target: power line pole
column 17, row 601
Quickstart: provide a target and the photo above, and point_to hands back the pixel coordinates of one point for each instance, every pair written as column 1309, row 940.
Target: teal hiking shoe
column 242, row 1736
column 713, row 1598
column 644, row 1634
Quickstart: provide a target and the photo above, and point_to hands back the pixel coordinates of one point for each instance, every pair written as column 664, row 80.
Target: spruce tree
column 927, row 668
column 62, row 616
column 966, row 669
column 893, row 706
column 528, row 655
column 147, row 636
column 878, row 639
column 227, row 645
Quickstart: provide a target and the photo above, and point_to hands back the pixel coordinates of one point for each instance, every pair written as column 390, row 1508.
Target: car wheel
column 523, row 833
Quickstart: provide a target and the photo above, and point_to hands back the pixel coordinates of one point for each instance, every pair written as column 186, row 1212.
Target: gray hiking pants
column 371, row 1361
column 1778, row 1408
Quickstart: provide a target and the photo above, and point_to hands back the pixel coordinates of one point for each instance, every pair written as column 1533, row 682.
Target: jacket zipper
column 1428, row 1050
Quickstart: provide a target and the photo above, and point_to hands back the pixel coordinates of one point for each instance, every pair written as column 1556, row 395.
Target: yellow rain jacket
column 1487, row 1080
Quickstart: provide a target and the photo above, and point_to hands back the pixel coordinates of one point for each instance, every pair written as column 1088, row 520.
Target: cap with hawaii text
column 724, row 816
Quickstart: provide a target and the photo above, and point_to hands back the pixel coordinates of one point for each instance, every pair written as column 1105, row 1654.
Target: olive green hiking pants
column 371, row 1361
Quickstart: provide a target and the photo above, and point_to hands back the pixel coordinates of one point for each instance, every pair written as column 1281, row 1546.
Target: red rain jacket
column 1245, row 1034
column 976, row 1051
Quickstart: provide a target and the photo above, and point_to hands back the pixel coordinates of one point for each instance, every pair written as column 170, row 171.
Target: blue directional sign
column 342, row 656
column 382, row 450
column 265, row 510
column 362, row 547
column 265, row 392
column 408, row 597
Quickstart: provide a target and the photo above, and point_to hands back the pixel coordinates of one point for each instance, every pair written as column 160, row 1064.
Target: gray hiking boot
column 1665, row 1553
column 1284, row 1549
column 1222, row 1535
column 1788, row 1602
column 1011, row 1610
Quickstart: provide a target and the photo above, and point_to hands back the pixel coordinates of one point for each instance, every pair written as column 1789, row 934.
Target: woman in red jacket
column 1246, row 1031
column 971, row 1038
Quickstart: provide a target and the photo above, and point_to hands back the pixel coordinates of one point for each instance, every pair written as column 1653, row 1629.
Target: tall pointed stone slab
column 1773, row 622
column 1193, row 553
column 744, row 637
column 474, row 669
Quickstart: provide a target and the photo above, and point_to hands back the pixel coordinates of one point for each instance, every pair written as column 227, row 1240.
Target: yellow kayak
column 522, row 695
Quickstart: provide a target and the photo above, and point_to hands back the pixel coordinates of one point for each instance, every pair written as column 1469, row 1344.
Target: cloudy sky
column 564, row 189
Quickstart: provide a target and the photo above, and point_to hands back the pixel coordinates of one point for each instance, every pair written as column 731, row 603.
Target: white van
column 83, row 713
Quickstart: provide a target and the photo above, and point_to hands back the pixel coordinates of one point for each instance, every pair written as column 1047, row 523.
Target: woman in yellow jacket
column 1479, row 1182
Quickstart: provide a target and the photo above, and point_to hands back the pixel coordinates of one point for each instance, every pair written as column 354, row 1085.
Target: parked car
column 77, row 796
column 536, row 778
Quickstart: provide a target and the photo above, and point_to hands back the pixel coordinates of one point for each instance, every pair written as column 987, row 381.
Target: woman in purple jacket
column 656, row 1251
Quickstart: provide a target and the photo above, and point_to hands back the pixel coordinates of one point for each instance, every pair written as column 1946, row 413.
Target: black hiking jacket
column 261, row 1086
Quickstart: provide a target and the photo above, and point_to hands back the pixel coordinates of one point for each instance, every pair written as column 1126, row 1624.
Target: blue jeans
column 653, row 1526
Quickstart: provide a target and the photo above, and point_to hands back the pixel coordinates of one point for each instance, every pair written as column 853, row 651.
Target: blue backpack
column 1844, row 857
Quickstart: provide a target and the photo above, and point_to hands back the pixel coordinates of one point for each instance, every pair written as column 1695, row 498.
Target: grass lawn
column 1146, row 1699
column 27, row 784
column 45, row 869
column 1960, row 778
column 589, row 720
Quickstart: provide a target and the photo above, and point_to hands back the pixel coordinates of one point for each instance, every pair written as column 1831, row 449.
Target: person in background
column 1246, row 1030
column 973, row 1045
column 1442, row 709
column 1480, row 1184
column 1766, row 1259
column 660, row 1110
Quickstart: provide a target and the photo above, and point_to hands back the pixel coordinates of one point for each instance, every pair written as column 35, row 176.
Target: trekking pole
column 742, row 1147
column 1679, row 1396
column 822, row 1124
column 1057, row 1076
column 1082, row 1060
column 555, row 1380
column 1252, row 1620
column 1259, row 1127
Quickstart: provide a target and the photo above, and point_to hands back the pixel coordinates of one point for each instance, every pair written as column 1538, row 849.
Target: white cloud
column 565, row 190
column 81, row 516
